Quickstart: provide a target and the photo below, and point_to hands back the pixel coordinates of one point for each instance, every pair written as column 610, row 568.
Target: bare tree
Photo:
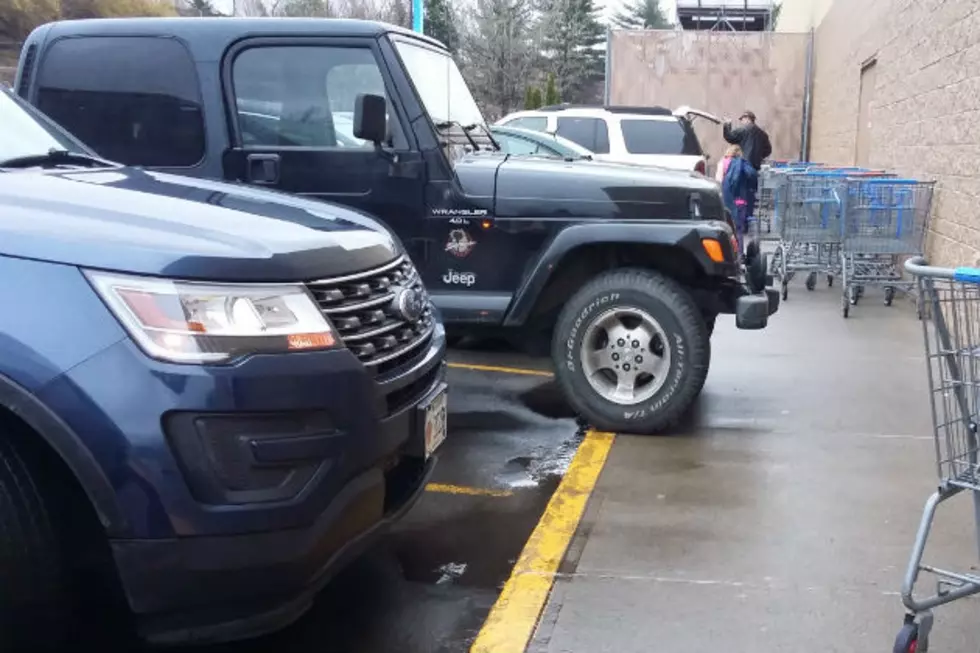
column 251, row 8
column 396, row 12
column 314, row 8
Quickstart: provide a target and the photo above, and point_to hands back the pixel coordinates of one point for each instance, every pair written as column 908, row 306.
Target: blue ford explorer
column 210, row 395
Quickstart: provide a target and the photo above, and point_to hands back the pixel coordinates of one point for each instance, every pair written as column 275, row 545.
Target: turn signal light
column 713, row 249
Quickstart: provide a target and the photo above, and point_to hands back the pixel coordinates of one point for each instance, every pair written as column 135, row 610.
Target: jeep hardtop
column 622, row 269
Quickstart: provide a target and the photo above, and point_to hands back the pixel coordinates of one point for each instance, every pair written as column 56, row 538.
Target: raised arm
column 733, row 136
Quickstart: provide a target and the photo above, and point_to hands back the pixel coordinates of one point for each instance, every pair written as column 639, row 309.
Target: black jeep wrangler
column 623, row 269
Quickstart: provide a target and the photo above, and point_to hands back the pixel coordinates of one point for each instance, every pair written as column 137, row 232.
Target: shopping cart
column 808, row 223
column 884, row 220
column 809, row 206
column 772, row 178
column 951, row 308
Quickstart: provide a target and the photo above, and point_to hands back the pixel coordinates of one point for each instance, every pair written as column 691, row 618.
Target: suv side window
column 590, row 133
column 659, row 137
column 303, row 96
column 535, row 123
column 132, row 99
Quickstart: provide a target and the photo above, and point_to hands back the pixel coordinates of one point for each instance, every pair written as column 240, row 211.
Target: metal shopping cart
column 808, row 223
column 884, row 220
column 951, row 307
column 808, row 217
column 772, row 177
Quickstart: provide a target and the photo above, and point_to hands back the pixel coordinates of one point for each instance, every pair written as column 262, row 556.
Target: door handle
column 262, row 169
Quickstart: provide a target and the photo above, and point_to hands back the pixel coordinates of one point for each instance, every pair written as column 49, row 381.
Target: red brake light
column 700, row 167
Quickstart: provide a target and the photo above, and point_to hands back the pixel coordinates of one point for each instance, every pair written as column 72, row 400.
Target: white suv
column 640, row 135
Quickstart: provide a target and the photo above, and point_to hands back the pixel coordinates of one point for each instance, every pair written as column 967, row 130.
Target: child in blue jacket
column 737, row 188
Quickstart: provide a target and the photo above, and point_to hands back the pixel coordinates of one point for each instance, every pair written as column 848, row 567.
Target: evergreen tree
column 642, row 14
column 200, row 8
column 774, row 16
column 551, row 96
column 571, row 43
column 536, row 102
column 441, row 23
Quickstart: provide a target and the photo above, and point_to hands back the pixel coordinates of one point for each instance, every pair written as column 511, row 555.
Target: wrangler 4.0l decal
column 466, row 213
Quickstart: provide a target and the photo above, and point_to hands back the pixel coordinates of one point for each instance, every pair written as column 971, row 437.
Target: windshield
column 24, row 131
column 443, row 90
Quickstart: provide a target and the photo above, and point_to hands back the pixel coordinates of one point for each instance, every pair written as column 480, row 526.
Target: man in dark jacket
column 755, row 145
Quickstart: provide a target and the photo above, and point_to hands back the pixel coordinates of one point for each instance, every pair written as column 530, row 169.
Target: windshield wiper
column 466, row 133
column 469, row 128
column 55, row 156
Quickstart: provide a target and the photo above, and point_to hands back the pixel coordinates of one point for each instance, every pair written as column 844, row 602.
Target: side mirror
column 370, row 118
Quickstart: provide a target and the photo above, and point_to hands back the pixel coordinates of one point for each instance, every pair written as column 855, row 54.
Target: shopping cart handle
column 918, row 266
column 967, row 275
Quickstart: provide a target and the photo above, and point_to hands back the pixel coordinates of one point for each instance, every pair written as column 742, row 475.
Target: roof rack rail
column 647, row 111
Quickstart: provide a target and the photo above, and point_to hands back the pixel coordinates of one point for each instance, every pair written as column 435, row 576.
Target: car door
column 291, row 102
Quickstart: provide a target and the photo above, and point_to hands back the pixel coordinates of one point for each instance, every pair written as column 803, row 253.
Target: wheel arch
column 19, row 405
column 580, row 252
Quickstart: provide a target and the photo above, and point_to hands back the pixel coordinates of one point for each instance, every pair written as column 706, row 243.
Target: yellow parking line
column 504, row 370
column 511, row 623
column 463, row 489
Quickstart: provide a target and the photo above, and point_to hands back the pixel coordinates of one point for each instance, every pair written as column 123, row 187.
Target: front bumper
column 752, row 311
column 243, row 488
column 216, row 589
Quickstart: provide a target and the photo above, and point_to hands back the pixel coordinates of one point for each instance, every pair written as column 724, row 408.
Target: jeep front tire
column 631, row 351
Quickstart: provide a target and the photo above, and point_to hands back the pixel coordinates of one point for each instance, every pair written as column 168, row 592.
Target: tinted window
column 512, row 145
column 659, row 137
column 132, row 99
column 537, row 124
column 590, row 133
column 303, row 96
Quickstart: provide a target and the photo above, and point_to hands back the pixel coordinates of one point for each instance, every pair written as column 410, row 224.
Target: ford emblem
column 409, row 304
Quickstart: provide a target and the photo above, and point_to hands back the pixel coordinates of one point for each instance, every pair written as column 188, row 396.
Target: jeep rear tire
column 631, row 351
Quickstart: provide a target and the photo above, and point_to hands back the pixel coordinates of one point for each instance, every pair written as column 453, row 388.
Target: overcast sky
column 608, row 7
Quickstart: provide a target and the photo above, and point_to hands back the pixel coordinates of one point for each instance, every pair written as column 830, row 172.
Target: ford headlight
column 190, row 322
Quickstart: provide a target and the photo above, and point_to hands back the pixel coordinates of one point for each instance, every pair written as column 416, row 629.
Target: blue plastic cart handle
column 967, row 275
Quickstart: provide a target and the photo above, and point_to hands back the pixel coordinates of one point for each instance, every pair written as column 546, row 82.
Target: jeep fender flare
column 683, row 234
column 68, row 446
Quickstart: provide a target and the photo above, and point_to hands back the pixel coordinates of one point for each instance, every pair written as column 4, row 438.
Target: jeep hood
column 131, row 220
column 531, row 186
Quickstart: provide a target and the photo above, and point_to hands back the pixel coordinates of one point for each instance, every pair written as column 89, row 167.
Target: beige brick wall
column 925, row 109
column 801, row 15
column 720, row 72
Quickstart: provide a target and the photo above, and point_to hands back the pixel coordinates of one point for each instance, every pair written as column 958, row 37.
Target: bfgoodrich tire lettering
column 678, row 318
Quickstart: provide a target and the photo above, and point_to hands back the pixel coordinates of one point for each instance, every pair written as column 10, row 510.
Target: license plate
column 435, row 422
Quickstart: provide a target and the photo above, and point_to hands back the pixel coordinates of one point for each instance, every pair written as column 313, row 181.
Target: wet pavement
column 782, row 515
column 428, row 585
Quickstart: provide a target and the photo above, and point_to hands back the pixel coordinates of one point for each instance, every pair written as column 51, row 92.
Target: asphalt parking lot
column 793, row 488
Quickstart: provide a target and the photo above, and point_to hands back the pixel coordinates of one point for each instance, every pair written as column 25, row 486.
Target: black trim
column 683, row 234
column 70, row 448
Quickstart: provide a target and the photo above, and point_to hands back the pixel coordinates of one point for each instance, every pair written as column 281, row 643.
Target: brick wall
column 925, row 108
column 720, row 72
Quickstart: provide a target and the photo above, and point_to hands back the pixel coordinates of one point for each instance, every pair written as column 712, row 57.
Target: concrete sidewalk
column 783, row 516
